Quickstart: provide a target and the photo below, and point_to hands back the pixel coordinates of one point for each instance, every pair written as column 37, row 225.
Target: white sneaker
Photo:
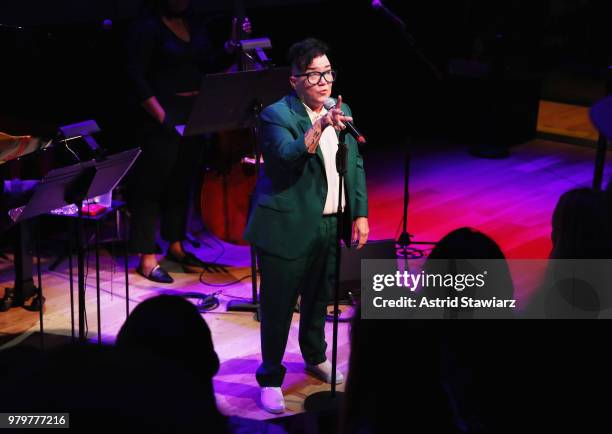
column 272, row 399
column 324, row 372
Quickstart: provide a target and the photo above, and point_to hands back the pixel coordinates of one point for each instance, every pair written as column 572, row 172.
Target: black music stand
column 74, row 184
column 234, row 101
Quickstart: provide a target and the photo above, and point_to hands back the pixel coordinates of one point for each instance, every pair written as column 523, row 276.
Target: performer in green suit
column 293, row 222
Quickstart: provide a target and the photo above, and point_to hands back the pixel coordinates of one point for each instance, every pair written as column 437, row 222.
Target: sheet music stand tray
column 74, row 184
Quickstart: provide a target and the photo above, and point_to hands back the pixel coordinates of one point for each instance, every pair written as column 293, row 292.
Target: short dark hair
column 301, row 53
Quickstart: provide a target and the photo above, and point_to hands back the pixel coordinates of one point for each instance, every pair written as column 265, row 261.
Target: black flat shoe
column 36, row 305
column 9, row 300
column 157, row 274
column 189, row 262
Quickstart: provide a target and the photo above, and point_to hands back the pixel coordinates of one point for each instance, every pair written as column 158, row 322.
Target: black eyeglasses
column 315, row 78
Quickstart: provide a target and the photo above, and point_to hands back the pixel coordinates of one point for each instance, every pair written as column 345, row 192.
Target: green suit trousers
column 312, row 277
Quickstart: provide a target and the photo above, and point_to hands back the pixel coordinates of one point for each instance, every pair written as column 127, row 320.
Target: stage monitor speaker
column 350, row 265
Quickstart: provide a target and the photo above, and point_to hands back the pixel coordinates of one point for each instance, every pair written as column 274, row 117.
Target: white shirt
column 329, row 146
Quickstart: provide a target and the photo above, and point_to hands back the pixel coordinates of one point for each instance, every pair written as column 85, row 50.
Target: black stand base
column 406, row 251
column 253, row 305
column 411, row 253
column 325, row 401
column 243, row 306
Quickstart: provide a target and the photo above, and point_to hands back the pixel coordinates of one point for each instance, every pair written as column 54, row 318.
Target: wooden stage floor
column 511, row 200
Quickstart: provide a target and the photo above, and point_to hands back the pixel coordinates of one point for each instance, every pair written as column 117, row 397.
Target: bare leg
column 176, row 249
column 147, row 263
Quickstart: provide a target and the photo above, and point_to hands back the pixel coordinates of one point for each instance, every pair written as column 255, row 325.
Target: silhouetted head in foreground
column 171, row 327
column 581, row 226
column 477, row 264
column 466, row 243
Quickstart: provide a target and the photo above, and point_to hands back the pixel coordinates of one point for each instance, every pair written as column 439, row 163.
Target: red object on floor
column 93, row 209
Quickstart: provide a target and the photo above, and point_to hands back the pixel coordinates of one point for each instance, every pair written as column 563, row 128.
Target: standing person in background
column 169, row 52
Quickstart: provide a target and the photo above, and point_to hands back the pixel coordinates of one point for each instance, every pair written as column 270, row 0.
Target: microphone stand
column 407, row 37
column 405, row 240
column 330, row 400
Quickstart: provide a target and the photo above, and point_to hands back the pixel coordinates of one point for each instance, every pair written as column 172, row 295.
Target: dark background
column 59, row 65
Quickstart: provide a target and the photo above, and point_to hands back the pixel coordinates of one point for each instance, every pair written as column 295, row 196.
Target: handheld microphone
column 329, row 104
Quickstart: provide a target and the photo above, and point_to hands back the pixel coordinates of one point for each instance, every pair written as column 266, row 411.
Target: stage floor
column 511, row 200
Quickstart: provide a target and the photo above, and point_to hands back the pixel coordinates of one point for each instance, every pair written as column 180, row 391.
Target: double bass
column 227, row 186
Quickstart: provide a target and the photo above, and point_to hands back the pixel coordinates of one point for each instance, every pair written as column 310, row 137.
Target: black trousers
column 282, row 280
column 161, row 181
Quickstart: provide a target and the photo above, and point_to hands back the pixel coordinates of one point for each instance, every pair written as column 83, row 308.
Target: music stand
column 74, row 184
column 234, row 101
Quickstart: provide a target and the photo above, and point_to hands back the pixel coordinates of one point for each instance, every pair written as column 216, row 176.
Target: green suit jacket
column 291, row 192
